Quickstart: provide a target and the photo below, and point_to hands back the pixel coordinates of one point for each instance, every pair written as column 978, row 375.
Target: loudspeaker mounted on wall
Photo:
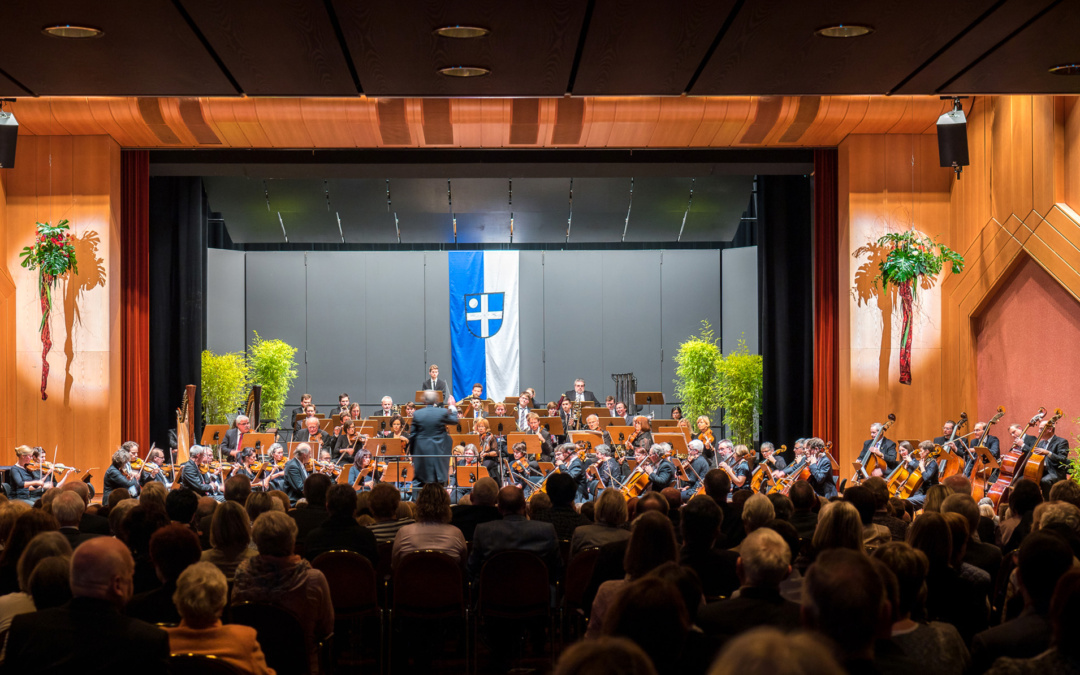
column 952, row 137
column 9, row 136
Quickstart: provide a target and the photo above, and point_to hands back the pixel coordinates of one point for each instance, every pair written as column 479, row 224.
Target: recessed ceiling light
column 464, row 71
column 844, row 30
column 73, row 32
column 1066, row 69
column 462, row 31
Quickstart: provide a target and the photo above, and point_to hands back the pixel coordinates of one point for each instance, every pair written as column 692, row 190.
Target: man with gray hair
column 756, row 512
column 696, row 467
column 764, row 561
column 192, row 477
column 608, row 471
column 68, row 509
column 87, row 630
column 430, row 444
column 660, row 469
column 296, row 473
column 234, row 437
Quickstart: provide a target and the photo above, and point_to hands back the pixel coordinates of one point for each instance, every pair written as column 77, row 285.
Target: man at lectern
column 435, row 384
column 579, row 393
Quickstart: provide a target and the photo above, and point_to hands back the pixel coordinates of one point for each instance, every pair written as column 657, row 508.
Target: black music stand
column 985, row 462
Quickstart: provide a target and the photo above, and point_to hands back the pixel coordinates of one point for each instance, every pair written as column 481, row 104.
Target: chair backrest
column 279, row 633
column 514, row 580
column 578, row 574
column 351, row 579
column 386, row 557
column 428, row 581
column 200, row 664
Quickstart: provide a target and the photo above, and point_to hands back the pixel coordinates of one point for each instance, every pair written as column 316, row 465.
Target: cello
column 954, row 463
column 869, row 462
column 1012, row 463
column 980, row 476
column 1035, row 466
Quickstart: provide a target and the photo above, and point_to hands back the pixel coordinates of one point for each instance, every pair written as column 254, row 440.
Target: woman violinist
column 273, row 475
column 117, row 476
column 705, row 435
column 642, row 436
column 922, row 470
column 742, row 469
column 488, row 448
column 26, row 477
column 344, row 444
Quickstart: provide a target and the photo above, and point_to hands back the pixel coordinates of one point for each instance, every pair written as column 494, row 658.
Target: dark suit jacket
column 662, row 475
column 1057, row 464
column 84, row 636
column 115, row 480
column 466, row 518
column 75, row 537
column 193, row 479
column 323, row 437
column 307, row 520
column 154, row 606
column 295, row 475
column 429, row 437
column 1025, row 636
column 753, row 608
column 821, row 478
column 340, row 534
column 94, row 524
column 515, row 533
column 229, row 443
column 888, row 449
column 984, row 556
column 715, row 567
column 440, row 385
column 572, row 395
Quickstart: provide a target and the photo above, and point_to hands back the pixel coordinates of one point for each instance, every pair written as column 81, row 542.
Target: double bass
column 1035, row 466
column 980, row 476
column 1012, row 463
column 869, row 462
column 904, row 482
column 954, row 462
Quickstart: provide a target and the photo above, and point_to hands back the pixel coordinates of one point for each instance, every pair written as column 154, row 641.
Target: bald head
column 511, row 501
column 102, row 568
column 485, row 492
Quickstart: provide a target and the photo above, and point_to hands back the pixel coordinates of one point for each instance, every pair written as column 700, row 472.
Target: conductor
column 430, row 444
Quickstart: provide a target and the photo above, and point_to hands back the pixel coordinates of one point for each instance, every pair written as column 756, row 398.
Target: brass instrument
column 395, row 410
column 576, row 413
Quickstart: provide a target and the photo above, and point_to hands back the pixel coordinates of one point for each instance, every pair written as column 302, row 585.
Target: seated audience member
column 279, row 577
column 562, row 489
column 172, row 549
column 803, row 498
column 181, row 505
column 117, row 515
column 985, row 556
column 936, row 646
column 689, row 586
column 514, row 532
column 90, row 629
column 764, row 561
column 138, row 526
column 862, row 499
column 1043, row 559
column 844, row 599
column 1025, row 496
column 1066, row 490
column 68, row 509
column 200, row 596
column 604, row 656
column 50, row 582
column 432, row 529
column 1064, row 653
column 28, row 525
column 91, row 522
column 314, row 513
column 152, row 494
column 230, row 539
column 782, row 506
column 482, row 508
column 609, row 520
column 950, row 597
column 283, row 501
column 204, row 512
column 384, row 502
column 768, row 650
column 757, row 510
column 341, row 532
column 652, row 614
column 701, row 521
column 961, row 533
column 879, row 490
column 1064, row 519
column 44, row 545
column 839, row 526
column 259, row 503
column 651, row 544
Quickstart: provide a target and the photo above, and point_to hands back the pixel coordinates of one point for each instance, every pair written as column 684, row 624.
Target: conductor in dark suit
column 580, row 393
column 435, row 384
column 296, row 474
column 885, row 449
column 430, row 444
column 514, row 532
column 1056, row 450
column 89, row 631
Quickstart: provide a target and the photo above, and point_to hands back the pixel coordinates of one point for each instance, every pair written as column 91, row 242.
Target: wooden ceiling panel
column 647, row 48
column 275, row 48
column 530, row 50
column 1021, row 65
column 771, row 47
column 148, row 49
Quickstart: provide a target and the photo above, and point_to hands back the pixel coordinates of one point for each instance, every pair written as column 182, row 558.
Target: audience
column 514, row 532
column 384, row 503
column 768, row 650
column 879, row 490
column 172, row 549
column 68, row 509
column 432, row 529
column 50, row 582
column 874, row 535
column 200, row 597
column 341, row 532
column 44, row 545
column 482, row 508
column 604, row 656
column 561, row 489
column 700, row 523
column 230, row 538
column 609, row 521
column 1064, row 653
column 314, row 513
column 803, row 498
column 985, row 556
column 28, row 525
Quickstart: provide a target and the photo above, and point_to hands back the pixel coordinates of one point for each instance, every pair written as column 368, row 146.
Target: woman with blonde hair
column 609, row 520
column 230, row 539
column 432, row 529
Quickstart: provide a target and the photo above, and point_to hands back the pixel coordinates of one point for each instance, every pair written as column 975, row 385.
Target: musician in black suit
column 193, row 478
column 608, row 470
column 580, row 393
column 546, row 447
column 117, row 476
column 1056, row 450
column 660, row 469
column 943, row 441
column 696, row 468
column 295, row 423
column 921, row 461
column 296, row 473
column 567, row 460
column 771, row 460
column 433, row 383
column 885, row 449
column 154, row 469
column 821, row 469
column 311, row 433
column 234, row 436
column 992, row 444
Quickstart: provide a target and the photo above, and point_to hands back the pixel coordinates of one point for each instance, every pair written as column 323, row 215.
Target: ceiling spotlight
column 464, row 71
column 844, row 30
column 1066, row 69
column 72, row 32
column 462, row 31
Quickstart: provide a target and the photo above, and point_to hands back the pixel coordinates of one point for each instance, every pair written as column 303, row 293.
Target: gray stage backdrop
column 370, row 323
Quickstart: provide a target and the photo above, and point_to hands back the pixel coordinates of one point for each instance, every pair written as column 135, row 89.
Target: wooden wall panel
column 7, row 331
column 78, row 178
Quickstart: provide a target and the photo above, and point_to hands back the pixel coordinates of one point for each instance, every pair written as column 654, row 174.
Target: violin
column 707, row 437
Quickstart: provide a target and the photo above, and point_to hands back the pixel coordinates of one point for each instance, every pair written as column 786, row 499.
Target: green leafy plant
column 1074, row 461
column 53, row 256
column 272, row 364
column 741, row 383
column 697, row 372
column 912, row 260
column 224, row 387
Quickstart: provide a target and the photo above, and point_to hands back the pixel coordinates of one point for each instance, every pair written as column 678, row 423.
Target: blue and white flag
column 484, row 322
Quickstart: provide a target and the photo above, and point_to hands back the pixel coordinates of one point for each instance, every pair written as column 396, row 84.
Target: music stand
column 382, row 422
column 649, row 398
column 664, row 423
column 501, row 426
column 468, row 475
column 589, row 437
column 398, row 471
column 465, row 439
column 531, row 441
column 985, row 463
column 260, row 442
column 511, row 400
column 677, row 441
column 599, row 412
column 326, row 425
column 608, row 422
column 419, row 397
column 546, row 468
column 619, row 434
column 680, row 472
column 553, row 425
column 213, row 434
column 385, row 447
column 464, row 425
column 366, row 428
column 315, row 447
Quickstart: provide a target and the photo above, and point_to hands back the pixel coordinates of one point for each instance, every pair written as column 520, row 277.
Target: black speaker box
column 952, row 139
column 9, row 135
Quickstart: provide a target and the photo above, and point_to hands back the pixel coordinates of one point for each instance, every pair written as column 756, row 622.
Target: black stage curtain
column 178, row 215
column 786, row 282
